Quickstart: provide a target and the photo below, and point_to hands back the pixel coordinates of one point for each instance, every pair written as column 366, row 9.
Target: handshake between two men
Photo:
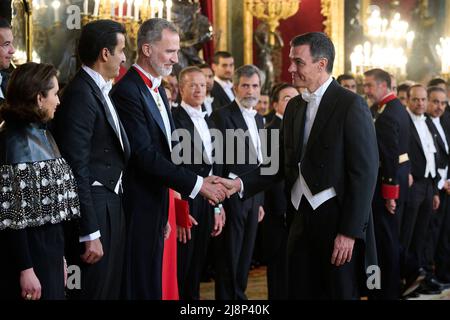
column 216, row 189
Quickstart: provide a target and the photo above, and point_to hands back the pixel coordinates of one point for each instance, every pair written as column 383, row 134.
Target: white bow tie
column 195, row 114
column 209, row 100
column 249, row 112
column 308, row 97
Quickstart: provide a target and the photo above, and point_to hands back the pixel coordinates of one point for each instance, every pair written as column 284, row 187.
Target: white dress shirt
column 159, row 103
column 198, row 119
column 250, row 121
column 105, row 88
column 208, row 104
column 2, row 96
column 300, row 187
column 227, row 87
column 163, row 111
column 426, row 139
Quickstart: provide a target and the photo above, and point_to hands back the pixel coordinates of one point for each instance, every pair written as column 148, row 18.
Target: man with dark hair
column 437, row 82
column 423, row 197
column 402, row 93
column 348, row 82
column 437, row 242
column 143, row 108
column 392, row 129
column 329, row 160
column 94, row 143
column 222, row 91
column 238, row 239
column 6, row 53
column 209, row 75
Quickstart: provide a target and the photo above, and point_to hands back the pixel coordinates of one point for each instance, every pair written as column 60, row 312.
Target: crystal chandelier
column 387, row 46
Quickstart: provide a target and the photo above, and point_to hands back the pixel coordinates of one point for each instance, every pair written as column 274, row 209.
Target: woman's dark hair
column 26, row 82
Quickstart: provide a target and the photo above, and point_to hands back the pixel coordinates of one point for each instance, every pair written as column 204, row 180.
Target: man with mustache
column 237, row 241
column 144, row 110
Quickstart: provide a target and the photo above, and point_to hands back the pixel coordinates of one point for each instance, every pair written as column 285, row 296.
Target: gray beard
column 249, row 103
column 163, row 72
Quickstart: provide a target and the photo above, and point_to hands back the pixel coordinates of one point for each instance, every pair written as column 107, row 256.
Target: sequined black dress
column 37, row 193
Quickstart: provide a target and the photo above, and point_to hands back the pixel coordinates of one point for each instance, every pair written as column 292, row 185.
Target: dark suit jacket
column 442, row 156
column 197, row 163
column 341, row 152
column 86, row 135
column 393, row 131
column 275, row 197
column 221, row 99
column 3, row 86
column 230, row 117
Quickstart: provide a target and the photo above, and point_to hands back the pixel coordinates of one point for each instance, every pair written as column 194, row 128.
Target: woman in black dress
column 37, row 189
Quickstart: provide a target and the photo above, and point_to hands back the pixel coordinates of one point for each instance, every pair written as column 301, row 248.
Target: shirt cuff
column 197, row 187
column 90, row 237
column 231, row 175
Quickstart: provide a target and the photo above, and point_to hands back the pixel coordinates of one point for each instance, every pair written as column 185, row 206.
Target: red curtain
column 207, row 10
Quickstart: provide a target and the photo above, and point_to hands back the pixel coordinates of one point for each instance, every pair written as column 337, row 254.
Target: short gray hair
column 247, row 71
column 151, row 31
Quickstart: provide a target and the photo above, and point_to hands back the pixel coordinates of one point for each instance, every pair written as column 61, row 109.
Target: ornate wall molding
column 333, row 12
column 247, row 20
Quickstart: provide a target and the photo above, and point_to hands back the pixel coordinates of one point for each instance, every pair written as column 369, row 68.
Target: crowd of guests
column 91, row 181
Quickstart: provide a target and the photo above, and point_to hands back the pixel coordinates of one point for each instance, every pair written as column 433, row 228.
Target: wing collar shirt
column 300, row 187
column 426, row 139
column 250, row 121
column 208, row 104
column 227, row 87
column 198, row 118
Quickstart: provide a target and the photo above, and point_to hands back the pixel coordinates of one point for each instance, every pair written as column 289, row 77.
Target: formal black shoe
column 432, row 281
column 413, row 294
column 413, row 282
column 428, row 290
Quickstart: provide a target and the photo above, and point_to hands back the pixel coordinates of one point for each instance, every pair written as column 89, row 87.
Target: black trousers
column 235, row 248
column 274, row 233
column 310, row 246
column 434, row 231
column 102, row 280
column 416, row 219
column 442, row 252
column 388, row 247
column 192, row 255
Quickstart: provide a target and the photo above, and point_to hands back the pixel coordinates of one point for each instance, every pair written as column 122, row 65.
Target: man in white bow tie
column 329, row 160
column 144, row 110
column 91, row 137
column 239, row 235
column 207, row 219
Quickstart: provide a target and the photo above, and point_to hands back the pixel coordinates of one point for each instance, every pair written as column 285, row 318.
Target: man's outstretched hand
column 232, row 185
column 213, row 191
